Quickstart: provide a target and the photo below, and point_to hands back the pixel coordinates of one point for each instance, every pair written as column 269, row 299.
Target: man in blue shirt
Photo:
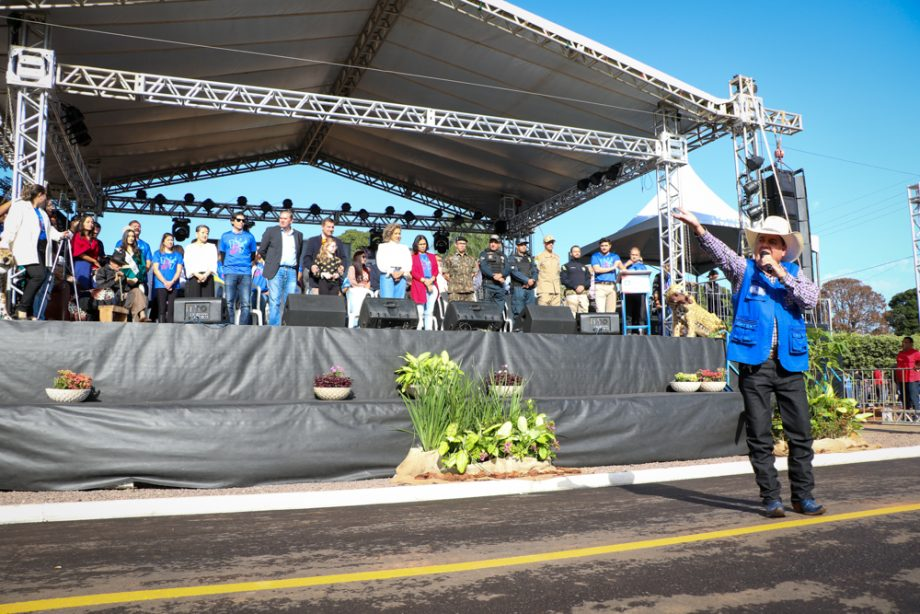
column 635, row 306
column 523, row 271
column 237, row 248
column 605, row 264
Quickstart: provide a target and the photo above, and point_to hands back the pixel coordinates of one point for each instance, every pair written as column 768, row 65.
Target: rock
column 823, row 446
column 417, row 462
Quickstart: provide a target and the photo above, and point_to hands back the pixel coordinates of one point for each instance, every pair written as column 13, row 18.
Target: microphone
column 767, row 267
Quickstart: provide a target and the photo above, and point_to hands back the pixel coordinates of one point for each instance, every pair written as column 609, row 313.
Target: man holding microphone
column 768, row 341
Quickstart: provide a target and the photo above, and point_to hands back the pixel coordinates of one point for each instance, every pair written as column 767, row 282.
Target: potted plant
column 424, row 370
column 685, row 382
column 333, row 385
column 711, row 381
column 70, row 387
column 505, row 383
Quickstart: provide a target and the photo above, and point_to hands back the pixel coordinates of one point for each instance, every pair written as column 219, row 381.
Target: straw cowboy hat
column 776, row 225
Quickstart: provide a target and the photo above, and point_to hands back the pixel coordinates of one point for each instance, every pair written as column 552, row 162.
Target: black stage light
column 501, row 227
column 458, row 218
column 315, row 209
column 613, row 172
column 266, row 207
column 477, row 215
column 141, row 194
column 346, row 207
column 583, row 184
column 364, row 215
column 75, row 126
column 180, row 229
column 207, row 204
column 409, row 217
column 287, row 203
column 375, row 237
column 438, row 214
column 596, row 178
column 241, row 201
column 160, row 200
column 390, row 210
column 751, row 187
column 754, row 162
column 441, row 242
column 189, row 198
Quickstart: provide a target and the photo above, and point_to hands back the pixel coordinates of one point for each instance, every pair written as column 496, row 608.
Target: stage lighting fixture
column 458, row 218
column 477, row 215
column 438, row 214
column 583, row 184
column 207, row 204
column 287, row 203
column 180, row 228
column 441, row 242
column 141, row 194
column 390, row 210
column 364, row 215
column 189, row 198
column 754, row 162
column 501, row 227
column 751, row 187
column 597, row 178
column 613, row 172
column 375, row 237
column 346, row 207
column 75, row 126
column 409, row 216
column 242, row 201
column 266, row 207
column 315, row 209
column 159, row 200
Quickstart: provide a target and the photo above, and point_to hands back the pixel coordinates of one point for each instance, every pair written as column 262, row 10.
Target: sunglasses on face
column 239, row 219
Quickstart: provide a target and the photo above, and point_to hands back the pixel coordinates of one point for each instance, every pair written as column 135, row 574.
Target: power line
column 868, row 268
column 847, row 219
column 881, row 168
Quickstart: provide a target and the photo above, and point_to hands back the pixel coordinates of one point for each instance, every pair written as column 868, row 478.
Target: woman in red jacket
column 424, row 290
column 86, row 253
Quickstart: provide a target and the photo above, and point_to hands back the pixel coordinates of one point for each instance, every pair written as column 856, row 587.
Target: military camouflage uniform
column 461, row 268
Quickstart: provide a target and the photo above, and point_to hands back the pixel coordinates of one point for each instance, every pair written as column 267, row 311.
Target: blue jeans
column 283, row 283
column 520, row 298
column 37, row 308
column 392, row 289
column 494, row 294
column 238, row 286
column 912, row 398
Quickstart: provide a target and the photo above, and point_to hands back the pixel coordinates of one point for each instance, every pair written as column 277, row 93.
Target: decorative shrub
column 68, row 380
column 504, row 377
column 686, row 377
column 334, row 378
column 705, row 375
column 425, row 369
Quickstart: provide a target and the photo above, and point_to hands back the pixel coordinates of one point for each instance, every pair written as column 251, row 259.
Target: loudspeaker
column 547, row 319
column 315, row 310
column 599, row 323
column 789, row 190
column 388, row 313
column 198, row 310
column 467, row 315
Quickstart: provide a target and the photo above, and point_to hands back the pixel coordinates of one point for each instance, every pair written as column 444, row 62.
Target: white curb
column 232, row 504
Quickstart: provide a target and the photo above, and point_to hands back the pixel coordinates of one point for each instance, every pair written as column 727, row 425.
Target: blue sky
column 850, row 68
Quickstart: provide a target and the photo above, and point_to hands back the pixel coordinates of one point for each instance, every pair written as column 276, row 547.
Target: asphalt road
column 716, row 553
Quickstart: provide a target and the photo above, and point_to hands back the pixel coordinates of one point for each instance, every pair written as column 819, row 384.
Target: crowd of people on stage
column 252, row 274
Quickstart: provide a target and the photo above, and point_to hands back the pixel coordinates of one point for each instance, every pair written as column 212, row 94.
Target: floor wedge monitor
column 547, row 319
column 315, row 310
column 388, row 313
column 468, row 315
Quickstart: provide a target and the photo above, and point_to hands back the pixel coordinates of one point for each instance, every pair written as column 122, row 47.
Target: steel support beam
column 176, row 91
column 381, row 20
column 67, row 4
column 672, row 233
column 913, row 204
column 354, row 219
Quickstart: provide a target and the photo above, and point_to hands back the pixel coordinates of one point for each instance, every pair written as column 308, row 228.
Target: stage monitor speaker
column 468, row 315
column 789, row 189
column 315, row 310
column 547, row 319
column 198, row 310
column 388, row 313
column 599, row 323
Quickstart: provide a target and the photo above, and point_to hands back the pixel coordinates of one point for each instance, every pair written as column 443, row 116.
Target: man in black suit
column 280, row 249
column 311, row 250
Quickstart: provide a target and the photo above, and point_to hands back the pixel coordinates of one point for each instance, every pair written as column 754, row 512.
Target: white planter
column 685, row 386
column 712, row 386
column 331, row 394
column 506, row 391
column 64, row 395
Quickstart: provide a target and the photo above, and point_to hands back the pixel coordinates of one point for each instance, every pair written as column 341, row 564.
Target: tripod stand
column 50, row 282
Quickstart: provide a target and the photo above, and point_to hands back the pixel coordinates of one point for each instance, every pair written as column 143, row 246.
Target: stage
column 199, row 406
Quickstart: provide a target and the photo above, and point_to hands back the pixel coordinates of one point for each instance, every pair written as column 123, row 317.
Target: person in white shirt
column 200, row 265
column 394, row 261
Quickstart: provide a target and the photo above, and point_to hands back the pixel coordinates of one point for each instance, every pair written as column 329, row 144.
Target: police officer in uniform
column 460, row 271
column 492, row 267
column 576, row 279
column 523, row 272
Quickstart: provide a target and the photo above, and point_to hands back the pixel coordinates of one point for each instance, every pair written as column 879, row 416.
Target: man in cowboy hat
column 769, row 294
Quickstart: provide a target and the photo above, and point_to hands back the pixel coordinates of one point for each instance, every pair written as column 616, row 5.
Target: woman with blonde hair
column 394, row 260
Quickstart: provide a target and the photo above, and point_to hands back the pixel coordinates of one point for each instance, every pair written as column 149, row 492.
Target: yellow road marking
column 408, row 572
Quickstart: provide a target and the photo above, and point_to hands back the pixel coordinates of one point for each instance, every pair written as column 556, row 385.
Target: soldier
column 523, row 272
column 492, row 267
column 549, row 290
column 576, row 278
column 459, row 271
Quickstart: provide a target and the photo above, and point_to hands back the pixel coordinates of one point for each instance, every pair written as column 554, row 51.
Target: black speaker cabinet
column 468, row 315
column 315, row 310
column 547, row 319
column 388, row 313
column 599, row 323
column 198, row 310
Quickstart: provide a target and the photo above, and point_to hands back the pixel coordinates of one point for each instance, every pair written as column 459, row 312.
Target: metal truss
column 71, row 163
column 66, row 4
column 354, row 219
column 176, row 91
column 672, row 233
column 381, row 20
column 913, row 203
column 748, row 158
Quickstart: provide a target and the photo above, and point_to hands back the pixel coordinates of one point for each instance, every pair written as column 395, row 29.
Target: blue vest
column 756, row 304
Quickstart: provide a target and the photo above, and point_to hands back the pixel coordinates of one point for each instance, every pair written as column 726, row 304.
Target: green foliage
column 686, row 377
column 356, row 239
column 426, row 369
column 867, row 351
column 831, row 416
column 902, row 314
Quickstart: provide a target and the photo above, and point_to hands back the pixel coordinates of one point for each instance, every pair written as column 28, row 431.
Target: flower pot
column 685, row 386
column 712, row 386
column 506, row 391
column 331, row 394
column 66, row 395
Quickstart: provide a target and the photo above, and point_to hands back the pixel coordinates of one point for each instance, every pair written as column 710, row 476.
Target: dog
column 691, row 320
column 7, row 266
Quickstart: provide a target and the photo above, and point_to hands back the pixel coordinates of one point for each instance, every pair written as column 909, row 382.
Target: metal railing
column 877, row 390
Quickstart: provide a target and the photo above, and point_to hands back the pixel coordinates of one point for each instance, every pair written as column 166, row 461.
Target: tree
column 902, row 316
column 356, row 239
column 857, row 307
